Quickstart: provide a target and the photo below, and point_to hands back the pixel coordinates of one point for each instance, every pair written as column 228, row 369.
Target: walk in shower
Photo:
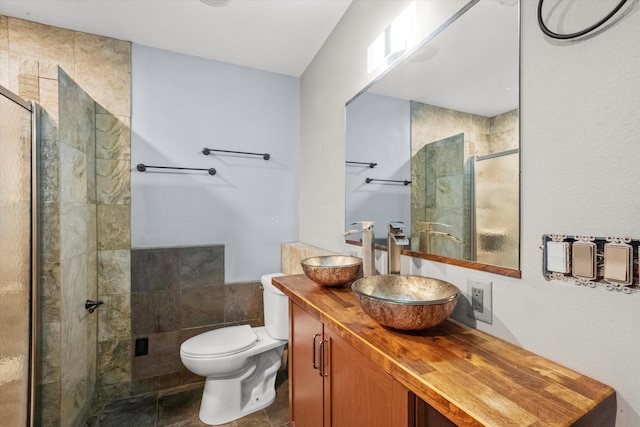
column 466, row 208
column 48, row 259
column 466, row 185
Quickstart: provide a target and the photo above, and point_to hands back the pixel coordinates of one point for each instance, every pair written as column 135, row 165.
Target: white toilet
column 240, row 362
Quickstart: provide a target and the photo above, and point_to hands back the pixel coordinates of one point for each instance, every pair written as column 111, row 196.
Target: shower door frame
column 34, row 109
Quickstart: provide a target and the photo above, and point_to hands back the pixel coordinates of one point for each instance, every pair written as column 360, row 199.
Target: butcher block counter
column 470, row 377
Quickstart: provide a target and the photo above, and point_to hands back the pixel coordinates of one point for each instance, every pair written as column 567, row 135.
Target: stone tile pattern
column 177, row 293
column 82, row 82
column 78, row 250
column 481, row 136
column 180, row 407
column 446, row 193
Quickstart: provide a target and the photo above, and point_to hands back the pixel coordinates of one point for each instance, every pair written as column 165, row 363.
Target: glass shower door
column 497, row 216
column 15, row 258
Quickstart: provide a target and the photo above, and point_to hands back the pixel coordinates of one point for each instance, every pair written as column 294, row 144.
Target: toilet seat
column 220, row 342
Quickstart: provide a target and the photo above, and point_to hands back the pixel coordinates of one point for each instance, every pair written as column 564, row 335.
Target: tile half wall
column 177, row 293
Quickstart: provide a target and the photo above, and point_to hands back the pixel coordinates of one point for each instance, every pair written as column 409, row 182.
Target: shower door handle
column 313, row 351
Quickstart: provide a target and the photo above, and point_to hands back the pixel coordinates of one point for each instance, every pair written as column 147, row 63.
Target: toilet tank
column 276, row 309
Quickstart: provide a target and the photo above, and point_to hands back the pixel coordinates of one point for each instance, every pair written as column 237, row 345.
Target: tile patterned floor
column 179, row 408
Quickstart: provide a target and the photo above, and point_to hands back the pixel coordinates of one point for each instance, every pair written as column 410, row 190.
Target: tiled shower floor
column 180, row 409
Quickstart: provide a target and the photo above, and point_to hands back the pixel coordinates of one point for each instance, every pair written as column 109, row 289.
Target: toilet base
column 228, row 399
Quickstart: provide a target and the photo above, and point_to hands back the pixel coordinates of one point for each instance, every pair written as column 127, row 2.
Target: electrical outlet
column 480, row 300
column 142, row 346
column 477, row 303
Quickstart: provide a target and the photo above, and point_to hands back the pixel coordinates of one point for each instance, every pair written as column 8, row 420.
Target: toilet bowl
column 240, row 363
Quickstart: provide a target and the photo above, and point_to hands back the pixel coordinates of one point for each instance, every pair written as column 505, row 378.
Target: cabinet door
column 360, row 392
column 426, row 416
column 305, row 382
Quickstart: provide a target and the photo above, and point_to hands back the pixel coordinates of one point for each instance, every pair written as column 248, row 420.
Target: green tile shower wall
column 177, row 293
column 77, row 249
column 446, row 198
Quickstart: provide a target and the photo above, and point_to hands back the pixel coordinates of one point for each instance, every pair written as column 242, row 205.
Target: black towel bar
column 207, row 151
column 142, row 168
column 405, row 182
column 370, row 164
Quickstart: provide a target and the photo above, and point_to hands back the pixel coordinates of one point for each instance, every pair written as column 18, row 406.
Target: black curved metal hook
column 593, row 27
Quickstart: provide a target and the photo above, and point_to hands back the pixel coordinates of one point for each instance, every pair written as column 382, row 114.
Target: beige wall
column 86, row 207
column 580, row 156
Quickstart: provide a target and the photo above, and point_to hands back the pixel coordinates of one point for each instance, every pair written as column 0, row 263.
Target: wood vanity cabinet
column 306, row 386
column 376, row 377
column 334, row 385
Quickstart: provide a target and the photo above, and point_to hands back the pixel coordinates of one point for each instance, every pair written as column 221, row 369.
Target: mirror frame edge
column 419, row 45
column 471, row 265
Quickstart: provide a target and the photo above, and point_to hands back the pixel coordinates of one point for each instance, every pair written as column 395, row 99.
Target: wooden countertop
column 471, row 377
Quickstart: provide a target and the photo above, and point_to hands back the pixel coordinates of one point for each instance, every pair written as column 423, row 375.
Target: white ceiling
column 472, row 66
column 280, row 36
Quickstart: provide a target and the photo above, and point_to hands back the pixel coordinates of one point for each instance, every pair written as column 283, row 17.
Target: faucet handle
column 396, row 229
column 399, row 225
column 366, row 225
column 430, row 224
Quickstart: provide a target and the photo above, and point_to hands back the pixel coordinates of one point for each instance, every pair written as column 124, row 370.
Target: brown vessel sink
column 332, row 270
column 406, row 302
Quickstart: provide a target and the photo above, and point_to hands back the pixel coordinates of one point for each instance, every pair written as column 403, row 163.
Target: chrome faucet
column 368, row 248
column 395, row 240
column 427, row 233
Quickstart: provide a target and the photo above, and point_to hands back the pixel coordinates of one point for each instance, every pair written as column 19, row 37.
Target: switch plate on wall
column 480, row 300
column 558, row 257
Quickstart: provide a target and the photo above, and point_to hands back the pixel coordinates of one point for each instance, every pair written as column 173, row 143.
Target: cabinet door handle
column 313, row 351
column 321, row 370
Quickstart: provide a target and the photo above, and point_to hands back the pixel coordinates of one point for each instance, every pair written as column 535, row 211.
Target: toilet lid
column 220, row 342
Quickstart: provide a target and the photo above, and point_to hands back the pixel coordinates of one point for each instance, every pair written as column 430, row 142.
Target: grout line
column 157, row 410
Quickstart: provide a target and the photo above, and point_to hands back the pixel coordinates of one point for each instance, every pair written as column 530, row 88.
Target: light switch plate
column 618, row 261
column 583, row 260
column 558, row 257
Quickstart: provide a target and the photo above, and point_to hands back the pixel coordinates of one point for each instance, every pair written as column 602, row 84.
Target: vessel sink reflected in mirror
column 406, row 302
column 332, row 270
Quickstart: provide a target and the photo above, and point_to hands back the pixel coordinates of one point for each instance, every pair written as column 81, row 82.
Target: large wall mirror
column 435, row 143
